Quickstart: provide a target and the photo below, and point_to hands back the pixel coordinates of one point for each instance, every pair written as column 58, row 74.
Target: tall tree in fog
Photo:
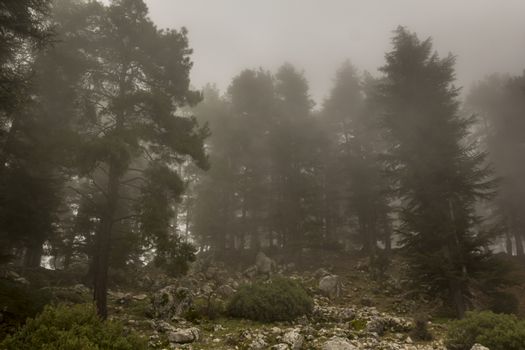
column 214, row 221
column 252, row 99
column 357, row 170
column 499, row 103
column 131, row 135
column 292, row 151
column 439, row 176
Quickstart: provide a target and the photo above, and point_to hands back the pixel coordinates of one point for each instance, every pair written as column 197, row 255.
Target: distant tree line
column 102, row 162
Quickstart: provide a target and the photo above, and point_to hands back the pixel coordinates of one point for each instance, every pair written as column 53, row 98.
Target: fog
column 339, row 172
column 230, row 35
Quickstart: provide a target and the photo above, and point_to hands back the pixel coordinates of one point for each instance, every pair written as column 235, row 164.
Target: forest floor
column 371, row 311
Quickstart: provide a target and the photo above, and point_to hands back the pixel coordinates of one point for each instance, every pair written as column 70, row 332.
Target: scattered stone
column 294, row 339
column 184, row 336
column 259, row 343
column 338, row 343
column 140, row 297
column 280, row 346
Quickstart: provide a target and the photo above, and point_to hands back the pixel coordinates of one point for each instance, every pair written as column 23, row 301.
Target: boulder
column 184, row 336
column 338, row 343
column 170, row 302
column 294, row 339
column 264, row 264
column 330, row 286
column 375, row 325
column 225, row 291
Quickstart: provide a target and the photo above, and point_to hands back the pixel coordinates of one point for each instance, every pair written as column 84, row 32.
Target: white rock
column 330, row 286
column 338, row 343
column 183, row 336
column 479, row 347
column 280, row 346
column 294, row 339
column 258, row 343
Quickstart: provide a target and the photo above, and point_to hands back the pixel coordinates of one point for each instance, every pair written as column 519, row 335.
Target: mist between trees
column 109, row 158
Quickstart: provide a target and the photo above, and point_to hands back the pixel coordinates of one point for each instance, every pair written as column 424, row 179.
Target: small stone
column 280, row 346
column 140, row 297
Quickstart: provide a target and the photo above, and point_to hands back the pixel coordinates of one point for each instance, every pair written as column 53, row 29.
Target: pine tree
column 352, row 121
column 499, row 105
column 439, row 176
column 132, row 139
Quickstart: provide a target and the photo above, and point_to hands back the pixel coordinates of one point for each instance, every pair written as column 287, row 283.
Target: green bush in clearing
column 72, row 328
column 280, row 299
column 495, row 331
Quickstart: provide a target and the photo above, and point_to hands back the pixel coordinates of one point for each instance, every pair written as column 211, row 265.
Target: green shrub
column 358, row 324
column 18, row 302
column 280, row 299
column 495, row 331
column 72, row 328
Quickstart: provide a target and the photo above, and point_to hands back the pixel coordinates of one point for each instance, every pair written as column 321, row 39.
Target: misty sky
column 229, row 35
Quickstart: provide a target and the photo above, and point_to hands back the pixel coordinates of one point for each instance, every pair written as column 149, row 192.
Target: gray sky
column 229, row 35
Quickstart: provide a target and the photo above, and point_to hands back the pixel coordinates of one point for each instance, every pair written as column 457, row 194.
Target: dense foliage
column 72, row 327
column 495, row 331
column 439, row 175
column 18, row 303
column 280, row 299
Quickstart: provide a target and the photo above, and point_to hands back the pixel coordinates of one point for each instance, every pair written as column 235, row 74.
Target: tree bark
column 519, row 243
column 103, row 243
column 508, row 243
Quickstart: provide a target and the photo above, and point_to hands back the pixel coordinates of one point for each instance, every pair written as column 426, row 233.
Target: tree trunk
column 457, row 297
column 519, row 243
column 103, row 243
column 508, row 243
column 33, row 254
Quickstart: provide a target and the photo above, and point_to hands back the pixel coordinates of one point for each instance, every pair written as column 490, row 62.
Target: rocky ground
column 352, row 310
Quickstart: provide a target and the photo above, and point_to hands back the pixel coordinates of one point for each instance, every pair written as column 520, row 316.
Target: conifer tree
column 440, row 177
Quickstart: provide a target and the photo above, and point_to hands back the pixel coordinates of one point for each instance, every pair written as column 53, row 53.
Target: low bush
column 280, row 299
column 495, row 331
column 72, row 328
